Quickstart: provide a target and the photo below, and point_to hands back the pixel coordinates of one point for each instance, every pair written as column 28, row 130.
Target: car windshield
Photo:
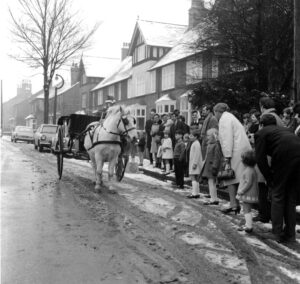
column 49, row 129
column 24, row 129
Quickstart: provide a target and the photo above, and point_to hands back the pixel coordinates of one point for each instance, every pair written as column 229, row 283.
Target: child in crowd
column 248, row 189
column 195, row 163
column 212, row 164
column 167, row 151
column 179, row 159
column 186, row 154
column 141, row 146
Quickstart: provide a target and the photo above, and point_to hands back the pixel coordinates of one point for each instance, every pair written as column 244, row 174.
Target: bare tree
column 48, row 36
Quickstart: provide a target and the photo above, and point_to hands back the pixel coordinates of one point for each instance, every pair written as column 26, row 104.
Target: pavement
column 223, row 195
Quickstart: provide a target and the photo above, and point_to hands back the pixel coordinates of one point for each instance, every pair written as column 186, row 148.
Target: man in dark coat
column 210, row 122
column 282, row 176
column 177, row 125
column 148, row 126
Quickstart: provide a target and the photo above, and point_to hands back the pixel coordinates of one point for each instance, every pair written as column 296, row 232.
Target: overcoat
column 209, row 123
column 195, row 158
column 213, row 161
column 167, row 148
column 248, row 186
column 234, row 142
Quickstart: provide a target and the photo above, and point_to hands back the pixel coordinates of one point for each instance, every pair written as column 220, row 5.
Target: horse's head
column 126, row 123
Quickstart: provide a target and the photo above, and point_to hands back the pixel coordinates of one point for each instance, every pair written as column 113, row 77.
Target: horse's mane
column 118, row 108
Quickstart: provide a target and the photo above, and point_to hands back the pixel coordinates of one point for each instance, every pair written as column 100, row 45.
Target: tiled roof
column 121, row 72
column 158, row 34
column 98, row 66
column 161, row 34
column 184, row 48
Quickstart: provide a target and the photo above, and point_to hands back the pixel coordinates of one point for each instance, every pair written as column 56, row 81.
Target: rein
column 122, row 134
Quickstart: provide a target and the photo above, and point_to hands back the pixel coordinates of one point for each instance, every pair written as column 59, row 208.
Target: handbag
column 226, row 172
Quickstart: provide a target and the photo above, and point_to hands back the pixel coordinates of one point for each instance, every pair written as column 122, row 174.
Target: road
column 63, row 232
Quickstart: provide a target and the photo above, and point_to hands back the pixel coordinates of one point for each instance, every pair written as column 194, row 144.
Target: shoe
column 193, row 196
column 180, row 186
column 260, row 219
column 211, row 203
column 247, row 230
column 166, row 173
column 207, row 196
column 236, row 210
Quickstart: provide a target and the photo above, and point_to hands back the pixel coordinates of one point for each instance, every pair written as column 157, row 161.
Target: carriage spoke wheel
column 121, row 166
column 59, row 153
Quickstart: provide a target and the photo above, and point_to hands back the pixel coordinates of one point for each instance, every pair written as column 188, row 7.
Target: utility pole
column 296, row 74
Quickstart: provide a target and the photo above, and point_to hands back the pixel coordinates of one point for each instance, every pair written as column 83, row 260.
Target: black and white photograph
column 150, row 141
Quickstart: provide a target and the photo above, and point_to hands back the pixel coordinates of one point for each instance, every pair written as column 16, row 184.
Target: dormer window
column 139, row 53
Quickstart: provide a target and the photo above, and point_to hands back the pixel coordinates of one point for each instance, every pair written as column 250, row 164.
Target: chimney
column 196, row 12
column 74, row 73
column 124, row 50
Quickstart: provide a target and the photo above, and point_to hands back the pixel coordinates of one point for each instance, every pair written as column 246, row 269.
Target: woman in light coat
column 195, row 163
column 234, row 142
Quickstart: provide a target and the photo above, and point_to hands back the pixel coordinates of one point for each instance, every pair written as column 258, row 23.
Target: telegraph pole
column 296, row 74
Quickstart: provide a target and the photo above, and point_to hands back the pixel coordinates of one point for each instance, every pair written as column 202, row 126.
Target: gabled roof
column 121, row 72
column 98, row 66
column 184, row 48
column 157, row 33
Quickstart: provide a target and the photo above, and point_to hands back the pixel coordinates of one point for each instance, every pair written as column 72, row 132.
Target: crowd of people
column 262, row 149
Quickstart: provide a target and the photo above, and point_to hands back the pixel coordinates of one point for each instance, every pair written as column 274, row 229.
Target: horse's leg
column 94, row 165
column 111, row 169
column 99, row 181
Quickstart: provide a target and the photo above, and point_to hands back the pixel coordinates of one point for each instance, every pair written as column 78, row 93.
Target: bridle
column 124, row 133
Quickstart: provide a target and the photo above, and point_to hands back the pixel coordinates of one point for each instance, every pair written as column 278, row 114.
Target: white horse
column 103, row 140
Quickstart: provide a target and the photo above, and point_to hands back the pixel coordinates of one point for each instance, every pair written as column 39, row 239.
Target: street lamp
column 59, row 86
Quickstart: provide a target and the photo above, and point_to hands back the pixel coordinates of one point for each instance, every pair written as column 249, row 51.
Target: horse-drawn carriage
column 97, row 139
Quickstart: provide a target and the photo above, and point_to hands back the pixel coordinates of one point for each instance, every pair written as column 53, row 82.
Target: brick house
column 160, row 70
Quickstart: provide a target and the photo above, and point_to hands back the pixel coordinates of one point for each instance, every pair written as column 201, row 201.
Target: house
column 16, row 109
column 161, row 68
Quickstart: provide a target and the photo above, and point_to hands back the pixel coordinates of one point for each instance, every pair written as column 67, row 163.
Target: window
column 129, row 88
column 84, row 79
column 193, row 71
column 215, row 67
column 119, row 91
column 139, row 112
column 161, row 52
column 185, row 108
column 165, row 105
column 83, row 101
column 100, row 97
column 141, row 53
column 151, row 82
column 140, row 84
column 111, row 91
column 168, row 77
column 155, row 52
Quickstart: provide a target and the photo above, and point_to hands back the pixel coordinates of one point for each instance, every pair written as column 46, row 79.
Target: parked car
column 43, row 136
column 22, row 133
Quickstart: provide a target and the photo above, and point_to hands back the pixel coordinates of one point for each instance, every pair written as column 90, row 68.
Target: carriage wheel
column 121, row 166
column 59, row 152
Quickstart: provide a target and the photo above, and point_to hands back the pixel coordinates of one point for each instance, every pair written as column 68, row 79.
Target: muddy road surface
column 63, row 232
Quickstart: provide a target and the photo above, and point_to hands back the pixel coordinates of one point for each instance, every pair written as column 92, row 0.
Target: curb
column 222, row 193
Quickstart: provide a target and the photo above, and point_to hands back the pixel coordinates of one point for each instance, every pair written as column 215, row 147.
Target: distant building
column 16, row 109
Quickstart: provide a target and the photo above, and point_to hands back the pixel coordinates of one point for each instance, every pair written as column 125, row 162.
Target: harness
column 122, row 134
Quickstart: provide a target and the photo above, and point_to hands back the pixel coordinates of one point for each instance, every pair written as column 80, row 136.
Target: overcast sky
column 118, row 18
